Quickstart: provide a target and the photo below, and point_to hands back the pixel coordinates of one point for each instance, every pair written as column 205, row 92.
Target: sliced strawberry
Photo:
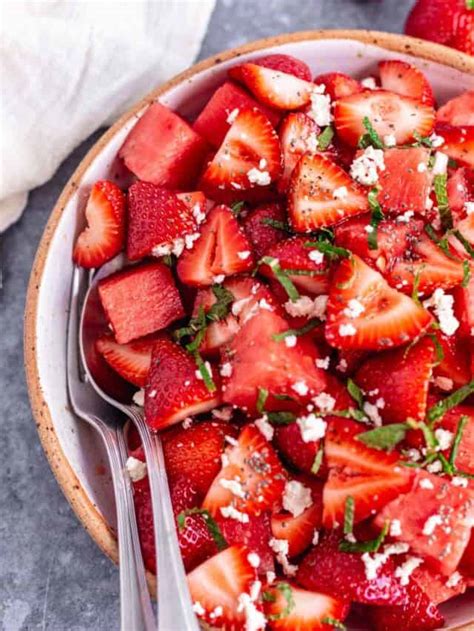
column 397, row 381
column 458, row 111
column 388, row 318
column 254, row 465
column 434, row 584
column 450, row 422
column 466, row 228
column 213, row 122
column 285, row 63
column 460, row 189
column 217, row 585
column 338, row 84
column 163, row 149
column 467, row 562
column 260, row 234
column 140, row 300
column 458, row 142
column 158, row 221
column 249, row 156
column 260, row 361
column 342, row 574
column 196, row 202
column 298, row 136
column 373, row 478
column 294, row 450
column 411, row 167
column 104, row 235
column 292, row 254
column 389, row 113
column 454, row 369
column 273, row 88
column 464, row 308
column 435, row 520
column 464, row 35
column 174, row 390
column 221, row 249
column 403, row 78
column 315, row 199
column 311, row 611
column 131, row 361
column 255, row 534
column 195, row 453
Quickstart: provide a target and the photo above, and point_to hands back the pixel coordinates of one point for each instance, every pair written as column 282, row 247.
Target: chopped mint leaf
column 317, row 461
column 349, row 515
column 371, row 137
column 332, row 251
column 416, row 284
column 261, row 400
column 470, row 4
column 439, row 409
column 447, row 466
column 465, row 243
column 168, row 259
column 337, row 624
column 220, row 309
column 211, row 524
column 385, row 437
column 376, row 217
column 281, row 418
column 366, row 546
column 325, row 138
column 206, row 375
column 442, row 243
column 355, row 392
column 457, row 439
column 282, row 277
column 357, row 415
column 278, row 337
column 438, row 349
column 287, row 592
column 279, row 225
column 428, row 434
column 421, row 140
column 236, row 207
column 439, row 184
column 466, row 273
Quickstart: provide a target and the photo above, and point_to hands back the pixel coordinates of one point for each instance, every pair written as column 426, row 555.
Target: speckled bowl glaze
column 74, row 452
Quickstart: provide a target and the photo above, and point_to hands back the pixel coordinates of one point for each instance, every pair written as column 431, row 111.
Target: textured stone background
column 52, row 576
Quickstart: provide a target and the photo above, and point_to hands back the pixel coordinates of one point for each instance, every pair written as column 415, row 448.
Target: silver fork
column 136, row 613
column 175, row 612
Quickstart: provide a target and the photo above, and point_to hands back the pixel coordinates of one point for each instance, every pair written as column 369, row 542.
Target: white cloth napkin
column 68, row 67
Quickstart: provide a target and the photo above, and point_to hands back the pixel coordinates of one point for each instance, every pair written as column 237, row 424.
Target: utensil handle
column 136, row 613
column 175, row 612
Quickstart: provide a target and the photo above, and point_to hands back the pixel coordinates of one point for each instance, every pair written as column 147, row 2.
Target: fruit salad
column 297, row 318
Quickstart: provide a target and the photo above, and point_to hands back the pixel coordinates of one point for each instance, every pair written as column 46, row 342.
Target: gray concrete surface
column 52, row 576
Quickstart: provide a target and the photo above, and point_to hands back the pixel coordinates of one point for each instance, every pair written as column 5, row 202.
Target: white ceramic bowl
column 74, row 452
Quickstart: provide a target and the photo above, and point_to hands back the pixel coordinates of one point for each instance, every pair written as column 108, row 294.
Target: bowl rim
column 82, row 505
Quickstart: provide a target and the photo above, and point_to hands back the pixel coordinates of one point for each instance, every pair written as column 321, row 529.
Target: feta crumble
column 347, row 330
column 372, row 412
column 320, row 108
column 243, row 255
column 469, row 206
column 443, row 307
column 395, row 528
column 405, row 570
column 136, row 469
column 340, row 193
column 254, row 619
column 354, row 308
column 315, row 539
column 305, row 306
column 290, row 341
column 454, row 579
column 234, row 486
column 296, row 497
column 253, row 559
column 434, row 467
column 323, row 362
column 425, row 483
column 459, row 481
column 300, row 387
column 365, row 168
column 325, row 402
column 258, row 177
column 440, row 165
column 265, row 428
column 444, row 437
column 233, row 513
column 431, row 523
column 369, row 83
column 389, row 140
column 312, row 427
column 232, row 115
column 139, row 397
column 281, row 548
column 224, row 414
column 436, row 141
column 226, row 369
column 209, row 370
column 198, row 609
column 316, row 256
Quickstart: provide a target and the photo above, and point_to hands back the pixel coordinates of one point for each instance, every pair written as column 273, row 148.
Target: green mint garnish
column 470, row 4
column 371, row 137
column 337, row 624
column 281, row 418
column 236, row 207
column 349, row 508
column 438, row 349
column 287, row 592
column 439, row 409
column 355, row 392
column 205, row 373
column 376, row 216
column 261, row 400
column 211, row 524
column 385, row 437
column 317, row 461
column 457, row 440
column 466, row 274
column 282, row 277
column 278, row 337
column 416, row 284
column 421, row 140
column 365, row 546
column 278, row 225
column 439, row 183
column 325, row 138
column 332, row 251
column 465, row 243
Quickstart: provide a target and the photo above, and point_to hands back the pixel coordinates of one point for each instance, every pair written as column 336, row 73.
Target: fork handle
column 136, row 613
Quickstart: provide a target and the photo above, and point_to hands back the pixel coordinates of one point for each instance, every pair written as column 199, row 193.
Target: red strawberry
column 292, row 254
column 285, row 63
column 140, row 300
column 399, row 380
column 373, row 478
column 342, row 575
column 466, row 228
column 311, row 611
column 338, row 84
column 273, row 88
column 458, row 142
column 174, row 391
column 254, row 465
column 104, row 235
column 195, row 453
column 389, row 113
column 467, row 562
column 403, row 78
column 434, row 584
column 196, row 202
column 464, row 34
column 131, row 361
column 405, row 165
column 458, row 111
column 450, row 422
column 417, row 614
column 255, row 534
column 298, row 136
column 213, row 121
column 163, row 149
column 464, row 308
column 454, row 369
column 460, row 189
column 248, row 157
column 294, row 450
column 426, row 13
column 221, row 249
column 315, row 197
column 217, row 585
column 157, row 219
column 388, row 318
column 260, row 234
column 260, row 361
column 435, row 520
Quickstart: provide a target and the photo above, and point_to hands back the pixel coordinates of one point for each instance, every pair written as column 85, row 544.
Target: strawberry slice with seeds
column 294, row 450
column 450, row 422
column 403, row 78
column 389, row 113
column 140, row 300
column 251, row 481
column 411, row 167
column 176, row 388
column 287, row 64
column 458, row 111
column 298, row 136
column 104, row 235
column 385, row 317
column 254, row 534
column 310, row 610
column 217, row 584
column 273, row 88
column 131, row 361
column 158, row 221
column 454, row 370
column 460, row 189
column 458, row 142
column 163, row 149
column 221, row 250
column 464, row 35
column 434, row 584
column 261, row 234
column 384, row 378
column 249, row 156
column 321, row 194
column 338, row 84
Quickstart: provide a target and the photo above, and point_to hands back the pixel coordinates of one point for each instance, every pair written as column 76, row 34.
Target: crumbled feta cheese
column 413, row 454
column 425, row 483
column 305, row 306
column 454, row 579
column 422, row 167
column 340, row 193
column 347, row 330
column 405, row 570
column 323, row 363
column 312, row 427
column 469, row 206
column 234, row 486
column 320, row 109
column 316, row 256
column 254, row 619
column 350, row 537
column 395, row 528
column 342, row 365
column 431, row 523
column 374, row 563
column 152, row 394
column 440, row 165
column 224, row 414
column 369, row 83
column 443, row 307
column 233, row 513
column 136, row 469
column 198, row 215
column 139, row 397
column 434, row 467
column 354, row 308
column 220, row 278
column 265, row 428
column 253, row 559
column 187, row 422
column 271, row 576
column 225, row 462
column 231, row 440
column 300, row 387
column 436, row 141
column 216, row 612
column 315, row 539
column 263, row 304
column 243, row 255
column 261, row 178
column 372, row 412
column 239, row 305
column 209, row 370
column 198, row 609
column 325, row 402
column 389, row 140
column 365, row 168
column 226, row 369
column 459, row 481
column 232, row 115
column 189, row 239
column 444, row 383
column 444, row 437
column 296, row 497
column 368, row 228
column 281, row 548
column 290, row 341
